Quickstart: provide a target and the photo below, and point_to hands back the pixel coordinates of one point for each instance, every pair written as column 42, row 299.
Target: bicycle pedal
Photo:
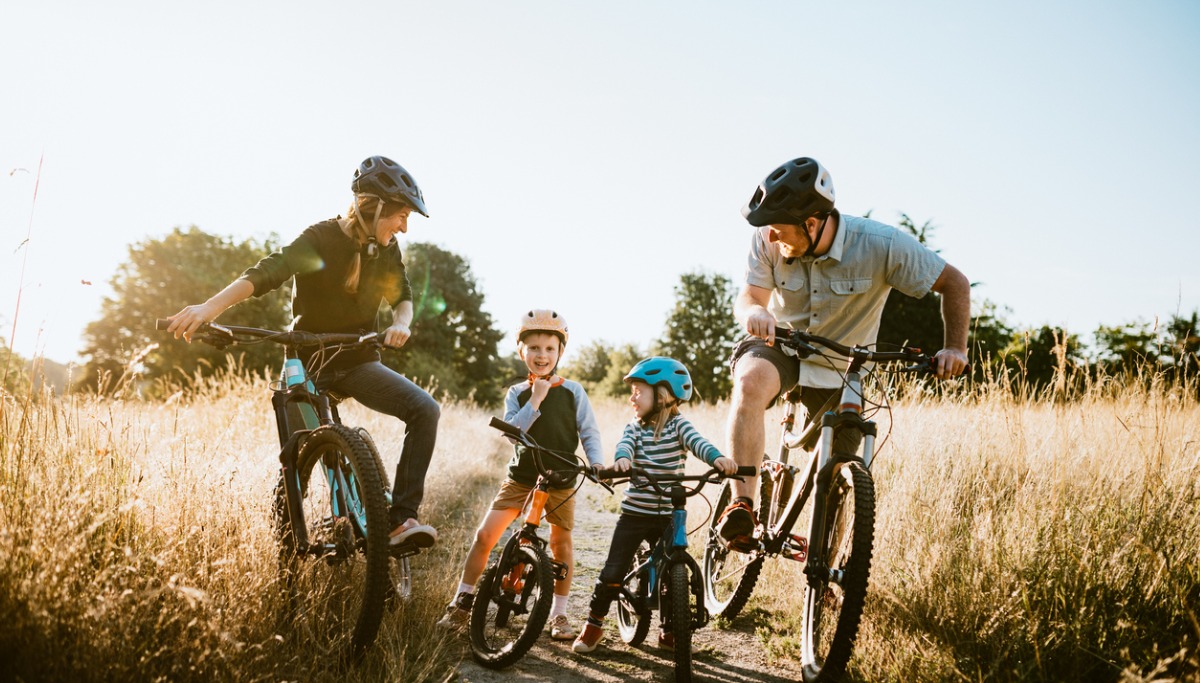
column 404, row 550
column 560, row 570
column 796, row 548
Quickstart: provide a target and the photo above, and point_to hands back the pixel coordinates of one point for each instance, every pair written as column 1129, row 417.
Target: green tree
column 1045, row 357
column 1183, row 345
column 622, row 358
column 701, row 332
column 162, row 276
column 991, row 337
column 590, row 364
column 1125, row 348
column 14, row 379
column 453, row 349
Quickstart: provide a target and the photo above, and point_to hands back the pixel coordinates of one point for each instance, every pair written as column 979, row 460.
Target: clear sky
column 582, row 155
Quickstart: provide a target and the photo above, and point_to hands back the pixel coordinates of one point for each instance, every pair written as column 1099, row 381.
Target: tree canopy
column 163, row 275
column 701, row 331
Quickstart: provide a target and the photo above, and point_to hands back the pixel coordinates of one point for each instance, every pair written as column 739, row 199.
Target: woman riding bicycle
column 344, row 267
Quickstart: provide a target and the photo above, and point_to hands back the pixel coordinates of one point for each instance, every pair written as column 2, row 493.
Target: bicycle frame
column 669, row 550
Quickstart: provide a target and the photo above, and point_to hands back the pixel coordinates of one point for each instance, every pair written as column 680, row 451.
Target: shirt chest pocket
column 850, row 287
column 789, row 277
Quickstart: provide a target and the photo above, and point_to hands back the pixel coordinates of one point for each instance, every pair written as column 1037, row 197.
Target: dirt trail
column 732, row 654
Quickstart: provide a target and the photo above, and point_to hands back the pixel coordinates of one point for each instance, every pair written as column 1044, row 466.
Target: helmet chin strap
column 812, row 244
column 372, row 241
column 533, row 377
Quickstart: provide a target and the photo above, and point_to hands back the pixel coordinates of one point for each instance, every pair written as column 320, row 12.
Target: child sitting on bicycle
column 655, row 440
column 557, row 414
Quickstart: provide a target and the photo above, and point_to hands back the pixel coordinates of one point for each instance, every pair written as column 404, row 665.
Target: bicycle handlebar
column 655, row 480
column 523, row 438
column 224, row 335
column 803, row 342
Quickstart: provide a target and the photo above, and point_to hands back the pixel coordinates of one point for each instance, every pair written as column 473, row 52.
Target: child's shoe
column 561, row 629
column 589, row 639
column 458, row 613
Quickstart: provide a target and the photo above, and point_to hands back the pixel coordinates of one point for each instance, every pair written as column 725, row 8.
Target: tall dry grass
column 1017, row 539
column 1024, row 539
column 136, row 541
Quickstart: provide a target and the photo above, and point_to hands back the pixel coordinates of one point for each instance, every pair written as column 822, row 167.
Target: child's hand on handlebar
column 725, row 465
column 622, row 465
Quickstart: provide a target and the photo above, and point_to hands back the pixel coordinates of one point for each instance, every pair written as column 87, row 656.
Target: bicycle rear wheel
column 338, row 582
column 679, row 598
column 633, row 617
column 729, row 576
column 511, row 606
column 833, row 605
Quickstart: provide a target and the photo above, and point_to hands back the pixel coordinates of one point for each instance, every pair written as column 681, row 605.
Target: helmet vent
column 652, row 372
column 779, row 173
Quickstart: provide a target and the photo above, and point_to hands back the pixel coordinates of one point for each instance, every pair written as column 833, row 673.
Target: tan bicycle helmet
column 543, row 320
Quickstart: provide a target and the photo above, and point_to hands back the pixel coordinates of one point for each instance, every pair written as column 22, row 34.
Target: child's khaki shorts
column 560, row 507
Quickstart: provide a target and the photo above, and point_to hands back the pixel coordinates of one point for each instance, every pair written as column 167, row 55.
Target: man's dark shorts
column 787, row 366
column 816, row 401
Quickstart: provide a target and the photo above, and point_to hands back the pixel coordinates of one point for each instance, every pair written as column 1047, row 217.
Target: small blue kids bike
column 666, row 578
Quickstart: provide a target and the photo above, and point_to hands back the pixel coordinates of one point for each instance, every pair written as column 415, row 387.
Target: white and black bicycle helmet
column 384, row 178
column 798, row 189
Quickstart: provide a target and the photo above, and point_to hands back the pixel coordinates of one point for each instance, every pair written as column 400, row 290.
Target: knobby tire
column 632, row 623
column 501, row 635
column 725, row 597
column 328, row 593
column 680, row 595
column 833, row 609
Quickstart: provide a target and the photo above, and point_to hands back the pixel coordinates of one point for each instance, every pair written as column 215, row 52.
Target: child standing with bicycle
column 655, row 440
column 556, row 412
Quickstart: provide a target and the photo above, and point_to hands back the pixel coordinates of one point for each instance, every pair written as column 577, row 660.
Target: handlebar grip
column 505, row 427
column 610, row 473
column 747, row 471
column 161, row 323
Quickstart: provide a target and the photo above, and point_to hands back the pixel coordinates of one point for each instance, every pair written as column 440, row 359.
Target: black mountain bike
column 514, row 596
column 665, row 577
column 331, row 502
column 841, row 518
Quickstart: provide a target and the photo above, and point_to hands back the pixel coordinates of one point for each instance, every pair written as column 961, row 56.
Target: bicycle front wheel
column 511, row 606
column 679, row 596
column 633, row 616
column 729, row 576
column 833, row 602
column 338, row 581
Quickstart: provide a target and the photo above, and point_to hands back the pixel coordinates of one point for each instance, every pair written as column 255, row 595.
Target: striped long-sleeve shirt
column 664, row 455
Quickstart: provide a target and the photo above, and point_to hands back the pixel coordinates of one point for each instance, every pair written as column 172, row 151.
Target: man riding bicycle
column 812, row 268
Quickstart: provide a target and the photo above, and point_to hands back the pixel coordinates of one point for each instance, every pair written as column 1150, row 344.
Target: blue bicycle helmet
column 666, row 371
column 384, row 178
column 796, row 190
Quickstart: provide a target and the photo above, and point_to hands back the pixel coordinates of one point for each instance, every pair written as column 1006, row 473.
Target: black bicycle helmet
column 384, row 178
column 792, row 193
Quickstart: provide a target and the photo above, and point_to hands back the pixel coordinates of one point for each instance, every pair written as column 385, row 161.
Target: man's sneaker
column 412, row 531
column 736, row 526
column 589, row 639
column 561, row 629
column 458, row 613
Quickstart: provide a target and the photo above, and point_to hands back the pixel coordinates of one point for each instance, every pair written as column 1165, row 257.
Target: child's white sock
column 466, row 588
column 560, row 605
